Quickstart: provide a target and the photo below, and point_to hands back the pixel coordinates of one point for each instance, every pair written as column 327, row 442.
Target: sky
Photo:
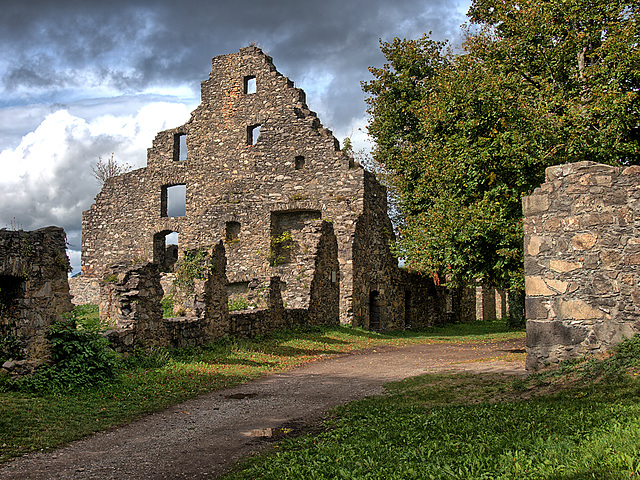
column 82, row 79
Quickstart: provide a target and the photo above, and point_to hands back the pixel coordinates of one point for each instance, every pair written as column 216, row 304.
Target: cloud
column 80, row 79
column 47, row 178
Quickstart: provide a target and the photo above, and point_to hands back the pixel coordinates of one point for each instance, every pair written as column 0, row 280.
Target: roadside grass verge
column 153, row 381
column 578, row 421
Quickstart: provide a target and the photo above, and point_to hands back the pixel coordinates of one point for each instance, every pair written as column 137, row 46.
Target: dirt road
column 203, row 437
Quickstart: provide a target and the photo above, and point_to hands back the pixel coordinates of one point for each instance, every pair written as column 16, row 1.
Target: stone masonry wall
column 233, row 184
column 131, row 296
column 33, row 291
column 582, row 261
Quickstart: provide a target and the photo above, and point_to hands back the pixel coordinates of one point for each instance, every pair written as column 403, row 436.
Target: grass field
column 576, row 422
column 34, row 421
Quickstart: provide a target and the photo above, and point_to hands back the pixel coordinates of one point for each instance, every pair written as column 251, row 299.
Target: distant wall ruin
column 33, row 291
column 131, row 295
column 582, row 261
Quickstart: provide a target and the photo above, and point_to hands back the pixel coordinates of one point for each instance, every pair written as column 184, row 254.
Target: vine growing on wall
column 279, row 246
column 193, row 266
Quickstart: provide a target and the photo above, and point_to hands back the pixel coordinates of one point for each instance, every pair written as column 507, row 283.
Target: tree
column 104, row 170
column 463, row 136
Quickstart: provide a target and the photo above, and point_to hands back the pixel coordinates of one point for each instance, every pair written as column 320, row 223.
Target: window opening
column 11, row 289
column 232, row 231
column 287, row 237
column 253, row 132
column 180, row 147
column 173, row 201
column 250, row 84
column 299, row 162
column 165, row 250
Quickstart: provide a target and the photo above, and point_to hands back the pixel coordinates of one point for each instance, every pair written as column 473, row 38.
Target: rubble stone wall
column 582, row 261
column 34, row 291
column 131, row 296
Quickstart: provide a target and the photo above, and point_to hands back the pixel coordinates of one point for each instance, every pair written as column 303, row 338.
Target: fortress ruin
column 255, row 168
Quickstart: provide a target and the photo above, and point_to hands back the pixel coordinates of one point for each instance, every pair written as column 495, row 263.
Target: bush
column 80, row 358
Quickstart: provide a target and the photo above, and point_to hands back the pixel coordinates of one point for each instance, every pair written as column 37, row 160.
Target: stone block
column 535, row 204
column 584, row 241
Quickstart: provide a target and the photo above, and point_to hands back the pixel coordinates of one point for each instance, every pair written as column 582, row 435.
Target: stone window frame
column 250, row 85
column 164, row 200
column 253, row 133
column 177, row 147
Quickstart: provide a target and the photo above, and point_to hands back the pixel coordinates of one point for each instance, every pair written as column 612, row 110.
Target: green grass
column 155, row 381
column 581, row 421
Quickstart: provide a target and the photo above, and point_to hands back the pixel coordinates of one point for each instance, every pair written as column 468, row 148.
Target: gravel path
column 203, row 437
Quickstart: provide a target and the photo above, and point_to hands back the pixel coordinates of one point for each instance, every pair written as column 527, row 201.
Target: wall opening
column 374, row 311
column 232, row 231
column 173, row 201
column 180, row 147
column 250, row 84
column 287, row 237
column 253, row 132
column 165, row 250
column 299, row 162
column 11, row 290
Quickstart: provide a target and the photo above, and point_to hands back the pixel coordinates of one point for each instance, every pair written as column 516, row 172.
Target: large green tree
column 463, row 135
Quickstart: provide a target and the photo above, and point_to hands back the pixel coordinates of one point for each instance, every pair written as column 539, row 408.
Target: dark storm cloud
column 133, row 45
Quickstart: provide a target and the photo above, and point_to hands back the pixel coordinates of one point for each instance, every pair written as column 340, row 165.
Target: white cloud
column 47, row 178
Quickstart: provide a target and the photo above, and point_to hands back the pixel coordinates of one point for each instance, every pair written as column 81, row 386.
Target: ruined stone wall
column 582, row 261
column 131, row 296
column 33, row 290
column 84, row 290
column 237, row 189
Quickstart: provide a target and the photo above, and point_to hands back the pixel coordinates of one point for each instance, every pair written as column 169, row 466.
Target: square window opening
column 173, row 201
column 250, row 84
column 253, row 132
column 299, row 162
column 180, row 147
column 232, row 231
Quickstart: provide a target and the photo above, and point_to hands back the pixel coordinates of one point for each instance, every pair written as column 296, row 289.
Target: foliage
column 193, row 266
column 474, row 426
column 88, row 317
column 152, row 381
column 237, row 303
column 80, row 359
column 167, row 306
column 103, row 170
column 462, row 136
column 280, row 245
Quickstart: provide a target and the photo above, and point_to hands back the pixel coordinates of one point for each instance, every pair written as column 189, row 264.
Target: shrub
column 80, row 358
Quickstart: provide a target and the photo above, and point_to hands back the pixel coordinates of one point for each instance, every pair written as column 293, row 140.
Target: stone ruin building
column 34, row 293
column 255, row 168
column 582, row 261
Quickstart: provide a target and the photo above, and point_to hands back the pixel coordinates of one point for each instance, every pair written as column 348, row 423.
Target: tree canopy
column 463, row 135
